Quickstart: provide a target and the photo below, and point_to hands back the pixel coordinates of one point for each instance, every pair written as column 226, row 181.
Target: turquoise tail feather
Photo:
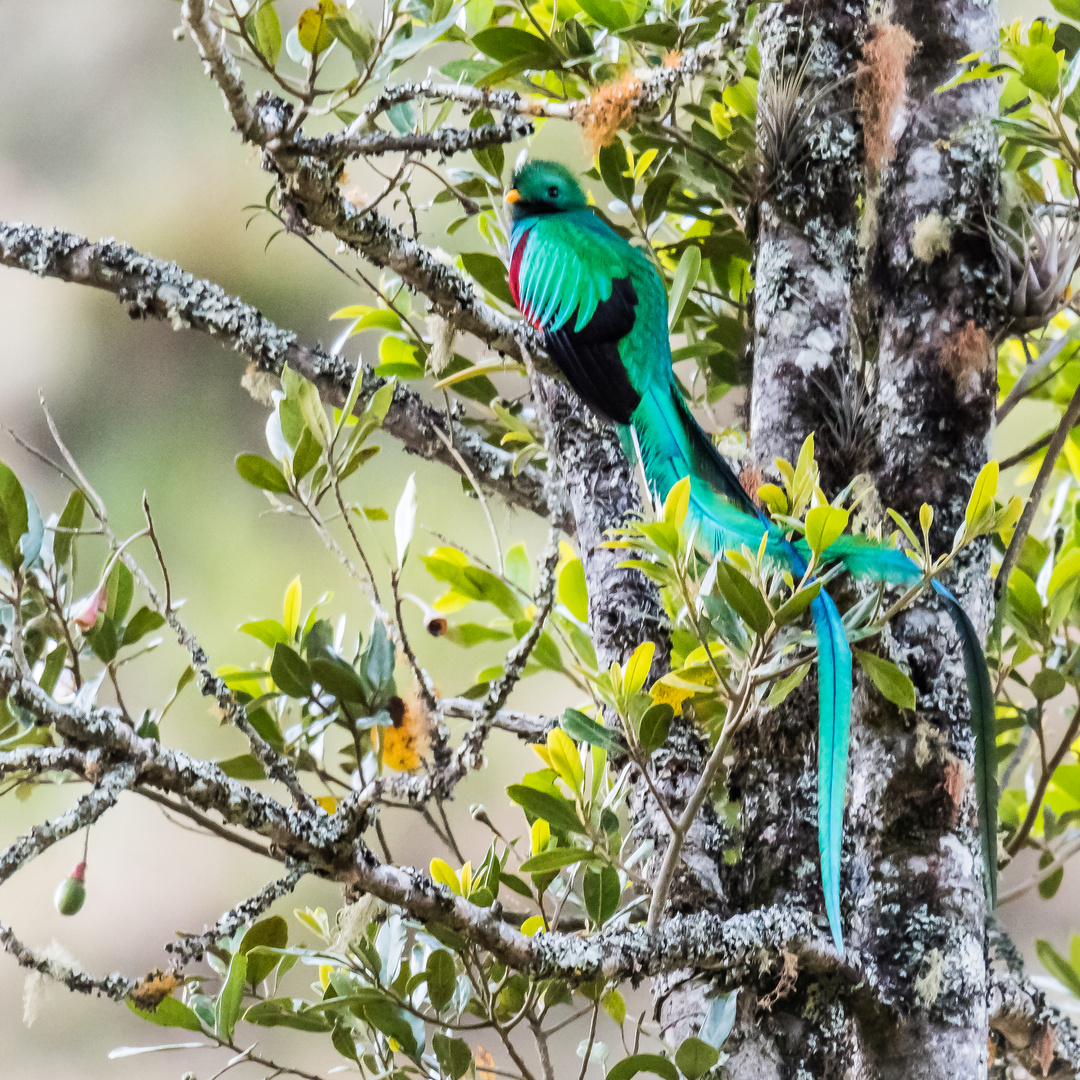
column 864, row 558
column 834, row 726
column 983, row 715
column 672, row 447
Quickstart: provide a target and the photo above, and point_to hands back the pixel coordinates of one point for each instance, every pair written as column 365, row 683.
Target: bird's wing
column 572, row 283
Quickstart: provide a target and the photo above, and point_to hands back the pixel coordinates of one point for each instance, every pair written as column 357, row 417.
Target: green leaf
column 290, row 673
column 169, row 1013
column 488, row 270
column 557, row 811
column 614, row 168
column 894, row 685
column 655, row 723
column 378, row 661
column 453, row 1055
column 583, row 728
column 231, row 997
column 281, row 1012
column 601, row 891
column 272, row 932
column 268, row 33
column 398, row 357
column 441, row 978
column 573, row 592
column 695, row 1058
column 505, row 43
column 981, row 502
column 637, row 1063
column 1058, row 966
column 307, row 454
column 792, row 608
column 71, row 518
column 344, row 1043
column 103, row 639
column 242, row 767
column 348, row 28
column 784, row 686
column 315, row 36
column 686, row 275
column 120, row 592
column 1069, row 8
column 14, row 517
column 614, row 1005
column 269, row 631
column 555, row 859
column 338, row 677
column 54, row 664
column 744, row 597
column 144, row 621
column 1039, row 69
column 611, row 14
column 1047, row 684
column 262, row 473
column 824, row 525
column 392, row 1022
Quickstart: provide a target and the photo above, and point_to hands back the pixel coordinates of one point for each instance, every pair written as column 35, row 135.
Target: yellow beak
column 513, row 196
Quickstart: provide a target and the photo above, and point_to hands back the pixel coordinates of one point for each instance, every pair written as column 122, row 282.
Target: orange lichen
column 485, row 1064
column 610, row 110
column 751, row 479
column 880, row 86
column 966, row 353
column 406, row 740
column 154, row 989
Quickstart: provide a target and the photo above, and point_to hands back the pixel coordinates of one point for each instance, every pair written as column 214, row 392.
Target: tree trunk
column 916, row 875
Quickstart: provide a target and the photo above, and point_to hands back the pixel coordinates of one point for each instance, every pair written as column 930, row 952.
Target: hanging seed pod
column 71, row 892
column 1037, row 260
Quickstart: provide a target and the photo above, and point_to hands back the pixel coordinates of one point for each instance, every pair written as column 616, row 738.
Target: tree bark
column 917, row 892
column 807, row 259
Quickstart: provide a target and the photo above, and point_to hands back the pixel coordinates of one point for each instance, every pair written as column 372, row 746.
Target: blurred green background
column 112, row 130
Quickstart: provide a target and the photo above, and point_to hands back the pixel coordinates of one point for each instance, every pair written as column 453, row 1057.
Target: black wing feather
column 589, row 357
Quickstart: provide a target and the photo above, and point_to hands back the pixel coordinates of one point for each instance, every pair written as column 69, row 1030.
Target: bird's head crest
column 545, row 187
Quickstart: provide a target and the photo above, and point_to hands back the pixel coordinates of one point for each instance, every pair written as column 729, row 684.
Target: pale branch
column 738, row 948
column 155, row 288
column 193, row 946
column 113, row 985
column 310, row 189
column 445, row 141
column 84, row 813
column 35, row 760
column 327, row 843
column 656, row 84
column 469, row 754
column 525, row 726
column 1069, row 420
column 1036, row 1034
column 314, row 837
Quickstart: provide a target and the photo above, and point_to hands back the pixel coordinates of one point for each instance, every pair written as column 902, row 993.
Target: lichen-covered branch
column 113, row 985
column 193, row 946
column 1032, row 1030
column 83, row 814
column 155, row 288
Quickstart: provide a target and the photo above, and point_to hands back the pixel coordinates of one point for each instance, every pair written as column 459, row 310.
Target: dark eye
column 553, row 192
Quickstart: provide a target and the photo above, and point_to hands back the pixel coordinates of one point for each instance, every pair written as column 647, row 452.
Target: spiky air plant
column 849, row 406
column 786, row 105
column 1038, row 259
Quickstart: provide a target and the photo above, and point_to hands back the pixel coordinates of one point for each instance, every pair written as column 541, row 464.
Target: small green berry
column 71, row 892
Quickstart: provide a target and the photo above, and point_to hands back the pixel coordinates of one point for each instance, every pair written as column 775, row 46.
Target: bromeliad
column 602, row 309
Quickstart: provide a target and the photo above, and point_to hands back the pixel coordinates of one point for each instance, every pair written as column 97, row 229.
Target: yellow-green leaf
column 894, row 685
column 824, row 524
column 315, row 36
column 637, row 668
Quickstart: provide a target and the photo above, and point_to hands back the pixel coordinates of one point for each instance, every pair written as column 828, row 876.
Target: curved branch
column 155, row 288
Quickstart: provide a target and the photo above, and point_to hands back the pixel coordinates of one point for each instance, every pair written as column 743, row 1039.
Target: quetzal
column 602, row 309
